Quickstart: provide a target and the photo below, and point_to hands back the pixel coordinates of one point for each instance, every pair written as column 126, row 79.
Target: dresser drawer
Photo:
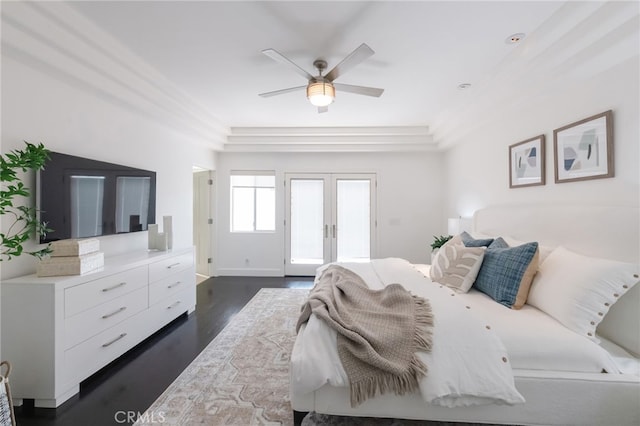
column 91, row 355
column 174, row 283
column 86, row 324
column 85, row 296
column 164, row 268
column 171, row 307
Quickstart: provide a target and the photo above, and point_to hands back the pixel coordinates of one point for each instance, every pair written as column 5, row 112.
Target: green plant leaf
column 25, row 223
column 440, row 241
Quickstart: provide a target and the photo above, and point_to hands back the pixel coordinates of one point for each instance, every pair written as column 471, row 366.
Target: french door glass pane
column 353, row 220
column 307, row 221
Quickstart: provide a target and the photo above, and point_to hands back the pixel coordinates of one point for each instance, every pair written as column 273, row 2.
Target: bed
column 564, row 372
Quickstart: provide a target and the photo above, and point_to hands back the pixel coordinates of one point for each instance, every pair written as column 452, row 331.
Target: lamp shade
column 456, row 225
column 321, row 93
column 453, row 226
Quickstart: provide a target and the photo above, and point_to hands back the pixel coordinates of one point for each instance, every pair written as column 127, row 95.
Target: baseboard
column 250, row 272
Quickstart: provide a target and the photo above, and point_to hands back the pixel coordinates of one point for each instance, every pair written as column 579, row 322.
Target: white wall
column 55, row 100
column 409, row 205
column 478, row 169
column 602, row 75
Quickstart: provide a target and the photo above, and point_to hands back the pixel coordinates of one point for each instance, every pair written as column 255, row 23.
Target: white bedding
column 536, row 341
column 530, row 339
column 468, row 364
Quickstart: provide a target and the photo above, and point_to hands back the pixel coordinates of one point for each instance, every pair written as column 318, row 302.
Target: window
column 253, row 202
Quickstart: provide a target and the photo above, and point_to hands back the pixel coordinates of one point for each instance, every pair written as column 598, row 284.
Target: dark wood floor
column 131, row 383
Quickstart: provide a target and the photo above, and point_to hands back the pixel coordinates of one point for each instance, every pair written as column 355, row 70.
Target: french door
column 329, row 217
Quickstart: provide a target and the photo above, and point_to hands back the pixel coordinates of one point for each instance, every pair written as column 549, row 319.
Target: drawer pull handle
column 105, row 316
column 104, row 345
column 174, row 284
column 174, row 305
column 114, row 287
column 173, row 265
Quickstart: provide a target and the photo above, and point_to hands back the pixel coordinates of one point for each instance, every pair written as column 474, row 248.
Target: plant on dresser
column 60, row 330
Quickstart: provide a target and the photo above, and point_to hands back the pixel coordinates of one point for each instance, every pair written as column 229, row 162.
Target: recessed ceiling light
column 514, row 38
column 463, row 86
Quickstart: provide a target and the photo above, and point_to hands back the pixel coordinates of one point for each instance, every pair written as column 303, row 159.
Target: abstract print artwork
column 584, row 149
column 526, row 163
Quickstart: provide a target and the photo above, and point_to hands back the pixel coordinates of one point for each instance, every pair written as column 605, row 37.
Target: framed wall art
column 584, row 149
column 526, row 163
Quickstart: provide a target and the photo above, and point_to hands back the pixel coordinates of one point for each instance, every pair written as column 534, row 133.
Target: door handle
column 326, row 230
column 333, row 231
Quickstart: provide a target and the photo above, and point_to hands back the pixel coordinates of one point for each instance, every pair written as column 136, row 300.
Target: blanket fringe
column 423, row 337
column 408, row 381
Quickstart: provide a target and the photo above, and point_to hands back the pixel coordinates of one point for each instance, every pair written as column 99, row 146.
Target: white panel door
column 329, row 217
column 203, row 221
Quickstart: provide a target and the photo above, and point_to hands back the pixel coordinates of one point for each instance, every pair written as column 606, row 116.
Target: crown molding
column 53, row 38
column 331, row 131
column 330, row 139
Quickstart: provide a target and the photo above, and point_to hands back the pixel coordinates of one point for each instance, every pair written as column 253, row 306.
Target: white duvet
column 468, row 364
column 532, row 339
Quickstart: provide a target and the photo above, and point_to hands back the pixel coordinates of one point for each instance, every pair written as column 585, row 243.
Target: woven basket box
column 70, row 265
column 74, row 247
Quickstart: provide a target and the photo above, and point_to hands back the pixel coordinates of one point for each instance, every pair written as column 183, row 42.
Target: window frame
column 255, row 187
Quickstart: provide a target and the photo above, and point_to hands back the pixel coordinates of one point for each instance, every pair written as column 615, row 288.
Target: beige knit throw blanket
column 379, row 331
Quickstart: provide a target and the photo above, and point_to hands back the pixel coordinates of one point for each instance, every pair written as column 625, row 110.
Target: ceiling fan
column 321, row 89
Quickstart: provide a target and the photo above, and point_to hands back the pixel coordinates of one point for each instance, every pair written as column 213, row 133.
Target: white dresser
column 57, row 331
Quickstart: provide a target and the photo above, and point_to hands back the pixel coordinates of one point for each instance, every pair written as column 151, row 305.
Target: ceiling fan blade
column 281, row 91
column 361, row 53
column 359, row 90
column 277, row 56
column 323, row 109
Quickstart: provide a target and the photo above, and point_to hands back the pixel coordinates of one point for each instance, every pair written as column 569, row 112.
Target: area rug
column 242, row 377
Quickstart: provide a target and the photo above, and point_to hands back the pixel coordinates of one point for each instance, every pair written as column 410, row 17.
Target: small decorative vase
column 167, row 228
column 156, row 240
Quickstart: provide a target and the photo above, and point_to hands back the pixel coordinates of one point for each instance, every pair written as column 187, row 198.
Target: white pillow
column 457, row 266
column 543, row 251
column 578, row 290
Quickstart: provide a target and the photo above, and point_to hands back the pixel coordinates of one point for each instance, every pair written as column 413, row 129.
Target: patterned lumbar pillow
column 507, row 272
column 457, row 266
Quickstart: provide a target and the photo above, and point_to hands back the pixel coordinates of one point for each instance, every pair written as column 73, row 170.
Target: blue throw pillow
column 469, row 241
column 498, row 243
column 507, row 270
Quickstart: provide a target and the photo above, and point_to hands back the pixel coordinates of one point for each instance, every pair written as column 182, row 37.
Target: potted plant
column 437, row 243
column 21, row 216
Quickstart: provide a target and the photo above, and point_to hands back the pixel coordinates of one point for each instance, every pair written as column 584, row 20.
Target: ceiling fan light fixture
column 321, row 93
